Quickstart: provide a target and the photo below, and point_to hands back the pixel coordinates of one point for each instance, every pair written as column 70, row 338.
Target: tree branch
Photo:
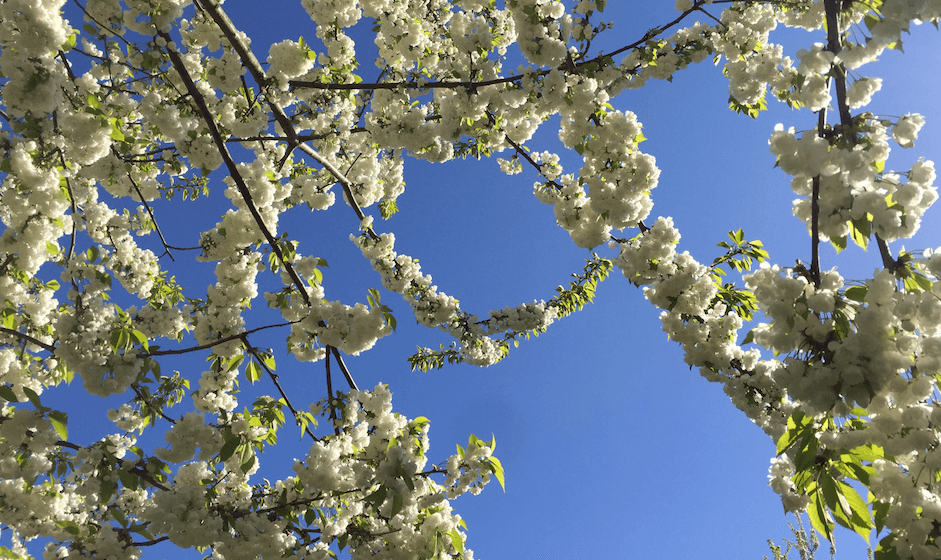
column 230, row 164
column 213, row 343
column 28, row 338
column 275, row 379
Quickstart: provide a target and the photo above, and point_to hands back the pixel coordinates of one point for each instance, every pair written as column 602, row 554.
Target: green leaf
column 860, row 516
column 228, row 449
column 860, row 230
column 106, row 491
column 819, row 518
column 59, row 420
column 7, row 393
column 880, row 512
column 252, row 371
column 456, row 540
column 419, row 421
column 234, row 362
column 33, row 398
column 749, row 338
column 118, row 516
column 69, row 43
column 141, row 529
column 9, row 320
column 857, row 293
column 116, row 133
column 141, row 338
column 868, row 452
column 92, row 100
column 497, row 468
column 69, row 527
column 886, row 549
column 787, row 440
column 839, row 243
column 397, row 503
column 129, row 480
column 378, row 497
column 268, row 360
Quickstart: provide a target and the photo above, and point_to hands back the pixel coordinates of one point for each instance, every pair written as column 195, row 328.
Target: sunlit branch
column 251, row 63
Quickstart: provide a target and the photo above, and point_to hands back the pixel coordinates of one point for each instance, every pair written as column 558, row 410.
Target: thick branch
column 838, row 73
column 230, row 164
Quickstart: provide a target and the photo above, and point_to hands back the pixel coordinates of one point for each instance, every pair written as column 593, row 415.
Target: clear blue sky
column 612, row 447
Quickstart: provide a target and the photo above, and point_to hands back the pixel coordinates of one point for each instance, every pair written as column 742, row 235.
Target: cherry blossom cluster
column 402, row 274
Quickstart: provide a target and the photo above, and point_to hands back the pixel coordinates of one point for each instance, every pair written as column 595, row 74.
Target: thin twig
column 213, row 343
column 27, row 338
column 569, row 66
column 276, row 380
column 166, row 247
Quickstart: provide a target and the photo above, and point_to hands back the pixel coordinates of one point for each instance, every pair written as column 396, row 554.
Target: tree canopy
column 143, row 114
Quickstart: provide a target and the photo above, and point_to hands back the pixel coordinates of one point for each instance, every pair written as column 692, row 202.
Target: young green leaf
column 59, row 420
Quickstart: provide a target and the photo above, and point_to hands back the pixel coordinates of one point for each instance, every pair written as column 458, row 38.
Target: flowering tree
column 150, row 99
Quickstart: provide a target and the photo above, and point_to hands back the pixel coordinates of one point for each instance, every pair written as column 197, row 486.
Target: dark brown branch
column 27, row 338
column 136, row 389
column 815, row 208
column 569, row 66
column 887, row 260
column 330, row 401
column 275, row 379
column 343, row 368
column 412, row 84
column 151, row 542
column 834, row 44
column 142, row 473
column 230, row 164
column 166, row 248
column 211, row 344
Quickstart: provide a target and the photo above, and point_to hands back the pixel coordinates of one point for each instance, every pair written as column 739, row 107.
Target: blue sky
column 612, row 447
